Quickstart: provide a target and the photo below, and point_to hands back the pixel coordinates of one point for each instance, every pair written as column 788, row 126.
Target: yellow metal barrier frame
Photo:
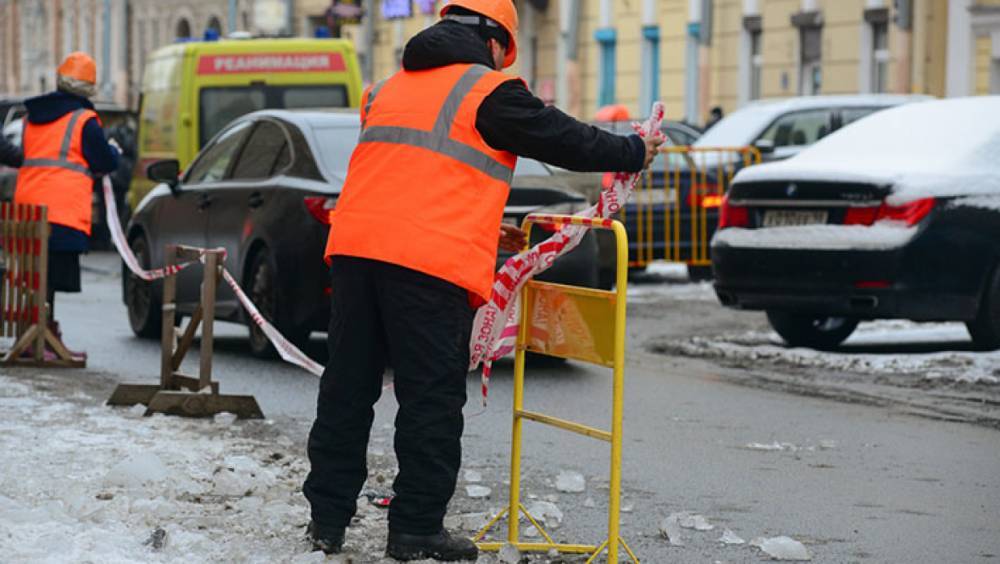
column 614, row 436
column 698, row 176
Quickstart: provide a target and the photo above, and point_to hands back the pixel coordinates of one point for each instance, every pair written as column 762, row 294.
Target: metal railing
column 674, row 211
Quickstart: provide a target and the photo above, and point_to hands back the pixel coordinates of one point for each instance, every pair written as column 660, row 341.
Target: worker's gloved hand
column 512, row 239
column 652, row 149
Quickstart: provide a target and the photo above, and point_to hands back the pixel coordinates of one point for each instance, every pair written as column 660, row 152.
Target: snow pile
column 86, row 483
column 958, row 366
column 651, row 293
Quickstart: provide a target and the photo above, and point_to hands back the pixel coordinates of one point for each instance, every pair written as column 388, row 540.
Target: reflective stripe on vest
column 439, row 138
column 63, row 160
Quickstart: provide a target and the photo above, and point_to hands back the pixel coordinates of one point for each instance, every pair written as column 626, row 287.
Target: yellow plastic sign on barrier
column 581, row 324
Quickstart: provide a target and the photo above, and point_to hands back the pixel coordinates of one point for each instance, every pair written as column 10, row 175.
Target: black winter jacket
column 10, row 154
column 513, row 119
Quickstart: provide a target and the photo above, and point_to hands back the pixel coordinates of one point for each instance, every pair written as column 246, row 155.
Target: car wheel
column 699, row 273
column 985, row 329
column 263, row 292
column 144, row 311
column 813, row 331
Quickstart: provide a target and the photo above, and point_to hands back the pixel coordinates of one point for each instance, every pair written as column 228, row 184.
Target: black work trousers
column 383, row 314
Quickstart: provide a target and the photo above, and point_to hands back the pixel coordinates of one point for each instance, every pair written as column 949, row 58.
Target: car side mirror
column 167, row 172
column 765, row 146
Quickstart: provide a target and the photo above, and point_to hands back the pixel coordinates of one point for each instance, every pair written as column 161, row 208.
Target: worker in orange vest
column 64, row 148
column 412, row 249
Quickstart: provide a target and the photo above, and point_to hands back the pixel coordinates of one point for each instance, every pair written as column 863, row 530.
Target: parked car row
column 263, row 189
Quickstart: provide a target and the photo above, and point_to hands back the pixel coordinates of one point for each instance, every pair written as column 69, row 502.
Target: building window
column 756, row 63
column 650, row 67
column 183, row 29
column 810, row 66
column 606, row 39
column 880, row 57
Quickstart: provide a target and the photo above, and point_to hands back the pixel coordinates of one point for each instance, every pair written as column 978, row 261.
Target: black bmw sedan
column 896, row 216
column 263, row 189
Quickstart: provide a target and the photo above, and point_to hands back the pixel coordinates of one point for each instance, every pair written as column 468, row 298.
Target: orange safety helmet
column 79, row 66
column 501, row 11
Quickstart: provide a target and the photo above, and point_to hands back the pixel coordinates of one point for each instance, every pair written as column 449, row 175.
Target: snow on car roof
column 937, row 148
column 742, row 126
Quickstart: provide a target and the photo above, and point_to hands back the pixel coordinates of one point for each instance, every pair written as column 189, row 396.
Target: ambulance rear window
column 219, row 106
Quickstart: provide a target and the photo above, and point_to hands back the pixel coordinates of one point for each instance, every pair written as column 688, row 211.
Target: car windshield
column 337, row 142
column 220, row 106
column 737, row 129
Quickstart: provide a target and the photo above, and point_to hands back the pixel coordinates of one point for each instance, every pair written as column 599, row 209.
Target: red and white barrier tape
column 288, row 352
column 494, row 331
column 121, row 243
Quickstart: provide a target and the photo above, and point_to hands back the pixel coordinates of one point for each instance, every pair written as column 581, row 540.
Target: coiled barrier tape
column 494, row 330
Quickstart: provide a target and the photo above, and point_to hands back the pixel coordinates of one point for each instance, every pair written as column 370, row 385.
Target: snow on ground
column 868, row 351
column 81, row 482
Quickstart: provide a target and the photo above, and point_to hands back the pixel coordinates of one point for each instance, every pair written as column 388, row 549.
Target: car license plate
column 782, row 218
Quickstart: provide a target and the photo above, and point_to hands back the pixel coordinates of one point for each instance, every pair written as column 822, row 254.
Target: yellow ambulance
column 191, row 90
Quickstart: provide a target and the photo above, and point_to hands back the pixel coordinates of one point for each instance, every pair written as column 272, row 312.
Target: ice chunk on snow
column 531, row 532
column 547, row 512
column 696, row 522
column 476, row 492
column 627, row 507
column 729, row 537
column 569, row 481
column 782, row 548
column 828, row 444
column 137, row 410
column 509, row 554
column 225, row 418
column 473, row 476
column 671, row 530
column 474, row 521
column 138, row 469
column 589, row 503
column 772, row 446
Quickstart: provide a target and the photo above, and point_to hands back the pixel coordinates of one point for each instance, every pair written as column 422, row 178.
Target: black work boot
column 439, row 546
column 328, row 539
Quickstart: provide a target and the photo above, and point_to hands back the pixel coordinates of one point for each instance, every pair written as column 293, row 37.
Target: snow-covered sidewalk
column 82, row 482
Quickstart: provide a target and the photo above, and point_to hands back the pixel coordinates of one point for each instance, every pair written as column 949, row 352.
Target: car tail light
column 705, row 196
column 910, row 213
column 733, row 216
column 320, row 207
column 861, row 216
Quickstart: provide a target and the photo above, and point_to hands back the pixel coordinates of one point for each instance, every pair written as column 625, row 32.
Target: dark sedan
column 263, row 189
column 896, row 216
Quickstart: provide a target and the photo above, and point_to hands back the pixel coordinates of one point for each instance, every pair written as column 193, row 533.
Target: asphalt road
column 855, row 481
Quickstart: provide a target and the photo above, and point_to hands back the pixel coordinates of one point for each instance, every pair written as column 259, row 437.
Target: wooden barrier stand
column 179, row 394
column 23, row 291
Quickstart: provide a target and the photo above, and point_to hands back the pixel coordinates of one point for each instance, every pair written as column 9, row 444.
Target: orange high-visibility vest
column 54, row 173
column 423, row 189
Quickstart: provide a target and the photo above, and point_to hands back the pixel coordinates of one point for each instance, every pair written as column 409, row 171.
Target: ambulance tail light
column 321, row 207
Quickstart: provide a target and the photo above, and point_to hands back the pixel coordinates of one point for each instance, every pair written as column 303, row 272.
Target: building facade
column 698, row 54
column 580, row 54
column 35, row 35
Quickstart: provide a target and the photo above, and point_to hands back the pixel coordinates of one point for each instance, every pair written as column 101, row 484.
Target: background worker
column 432, row 169
column 64, row 147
